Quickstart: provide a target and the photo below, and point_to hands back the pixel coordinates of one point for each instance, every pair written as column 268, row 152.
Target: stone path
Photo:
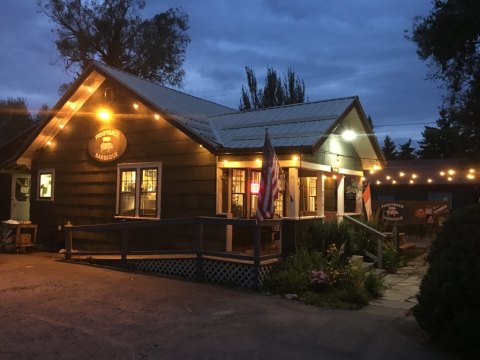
column 403, row 286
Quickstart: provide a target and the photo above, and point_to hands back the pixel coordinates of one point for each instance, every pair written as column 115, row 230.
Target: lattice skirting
column 214, row 271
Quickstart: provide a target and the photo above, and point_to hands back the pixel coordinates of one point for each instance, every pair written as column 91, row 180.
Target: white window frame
column 138, row 167
column 45, row 172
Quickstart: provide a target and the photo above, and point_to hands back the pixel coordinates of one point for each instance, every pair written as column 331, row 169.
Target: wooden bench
column 405, row 245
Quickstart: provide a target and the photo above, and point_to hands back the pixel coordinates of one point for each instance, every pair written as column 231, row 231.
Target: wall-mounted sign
column 107, row 145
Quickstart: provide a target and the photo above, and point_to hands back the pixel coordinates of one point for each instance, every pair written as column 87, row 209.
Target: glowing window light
column 349, row 135
column 254, row 188
column 402, row 174
column 451, row 172
column 104, row 114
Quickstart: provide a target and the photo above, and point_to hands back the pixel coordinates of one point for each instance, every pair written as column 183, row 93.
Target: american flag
column 269, row 182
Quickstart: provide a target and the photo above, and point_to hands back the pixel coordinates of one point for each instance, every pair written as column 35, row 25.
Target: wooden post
column 396, row 239
column 228, row 235
column 68, row 240
column 256, row 258
column 199, row 262
column 380, row 253
column 124, row 247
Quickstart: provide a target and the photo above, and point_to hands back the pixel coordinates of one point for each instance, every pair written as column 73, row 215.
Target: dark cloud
column 340, row 48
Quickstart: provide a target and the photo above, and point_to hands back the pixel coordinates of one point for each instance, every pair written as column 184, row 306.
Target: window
column 45, row 184
column 139, row 190
column 308, row 195
column 238, row 193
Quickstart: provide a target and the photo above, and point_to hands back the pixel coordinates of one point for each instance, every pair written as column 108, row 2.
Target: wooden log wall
column 85, row 189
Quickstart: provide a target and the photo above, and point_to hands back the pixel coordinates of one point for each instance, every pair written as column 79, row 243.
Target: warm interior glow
column 295, row 157
column 104, row 114
column 349, row 135
column 225, row 162
column 258, row 161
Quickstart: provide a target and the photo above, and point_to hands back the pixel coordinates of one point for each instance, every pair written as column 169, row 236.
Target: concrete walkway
column 403, row 286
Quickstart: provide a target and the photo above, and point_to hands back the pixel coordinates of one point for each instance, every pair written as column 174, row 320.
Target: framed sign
column 107, row 145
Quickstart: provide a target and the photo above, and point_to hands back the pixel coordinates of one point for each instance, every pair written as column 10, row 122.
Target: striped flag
column 367, row 200
column 269, row 182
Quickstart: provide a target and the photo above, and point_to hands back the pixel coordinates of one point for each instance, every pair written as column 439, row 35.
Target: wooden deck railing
column 381, row 237
column 199, row 251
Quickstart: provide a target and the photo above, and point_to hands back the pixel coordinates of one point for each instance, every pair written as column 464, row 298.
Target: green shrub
column 324, row 279
column 374, row 285
column 449, row 299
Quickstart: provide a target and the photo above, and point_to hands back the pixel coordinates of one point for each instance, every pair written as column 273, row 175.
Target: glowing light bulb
column 135, row 106
column 429, row 180
column 414, row 176
column 156, row 116
column 402, row 174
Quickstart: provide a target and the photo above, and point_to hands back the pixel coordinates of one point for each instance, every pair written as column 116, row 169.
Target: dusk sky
column 340, row 48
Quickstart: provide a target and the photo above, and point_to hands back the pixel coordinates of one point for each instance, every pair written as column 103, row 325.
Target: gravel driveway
column 56, row 310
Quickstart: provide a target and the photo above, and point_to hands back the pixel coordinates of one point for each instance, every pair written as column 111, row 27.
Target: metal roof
column 295, row 125
column 288, row 126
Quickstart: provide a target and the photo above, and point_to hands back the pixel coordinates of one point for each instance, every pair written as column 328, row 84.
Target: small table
column 22, row 241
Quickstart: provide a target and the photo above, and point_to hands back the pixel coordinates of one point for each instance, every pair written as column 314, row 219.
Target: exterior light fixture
column 258, row 161
column 388, row 177
column 470, row 176
column 156, row 116
column 471, row 171
column 295, row 157
column 411, row 181
column 442, row 173
column 376, row 167
column 449, row 178
column 402, row 174
column 135, row 106
column 394, row 182
column 334, row 177
column 414, row 176
column 378, row 182
column 104, row 114
column 429, row 180
column 372, row 171
column 451, row 172
column 349, row 135
column 61, row 126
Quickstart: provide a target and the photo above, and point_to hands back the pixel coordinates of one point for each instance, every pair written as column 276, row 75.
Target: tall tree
column 389, row 148
column 440, row 142
column 14, row 118
column 276, row 92
column 113, row 32
column 448, row 38
column 406, row 151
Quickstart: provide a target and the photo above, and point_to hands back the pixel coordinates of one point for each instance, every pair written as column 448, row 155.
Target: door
column 20, row 202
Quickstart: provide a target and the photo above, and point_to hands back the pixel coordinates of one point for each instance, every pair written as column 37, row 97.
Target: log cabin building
column 119, row 148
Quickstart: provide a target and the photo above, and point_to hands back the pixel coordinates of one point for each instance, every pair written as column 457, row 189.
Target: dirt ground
column 56, row 310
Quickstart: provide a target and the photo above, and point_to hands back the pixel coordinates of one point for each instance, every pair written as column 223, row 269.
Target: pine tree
column 389, row 148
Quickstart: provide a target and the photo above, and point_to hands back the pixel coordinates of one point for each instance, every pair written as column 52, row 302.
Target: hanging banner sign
column 393, row 211
column 107, row 145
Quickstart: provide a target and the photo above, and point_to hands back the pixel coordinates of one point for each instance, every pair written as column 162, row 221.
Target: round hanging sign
column 107, row 145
